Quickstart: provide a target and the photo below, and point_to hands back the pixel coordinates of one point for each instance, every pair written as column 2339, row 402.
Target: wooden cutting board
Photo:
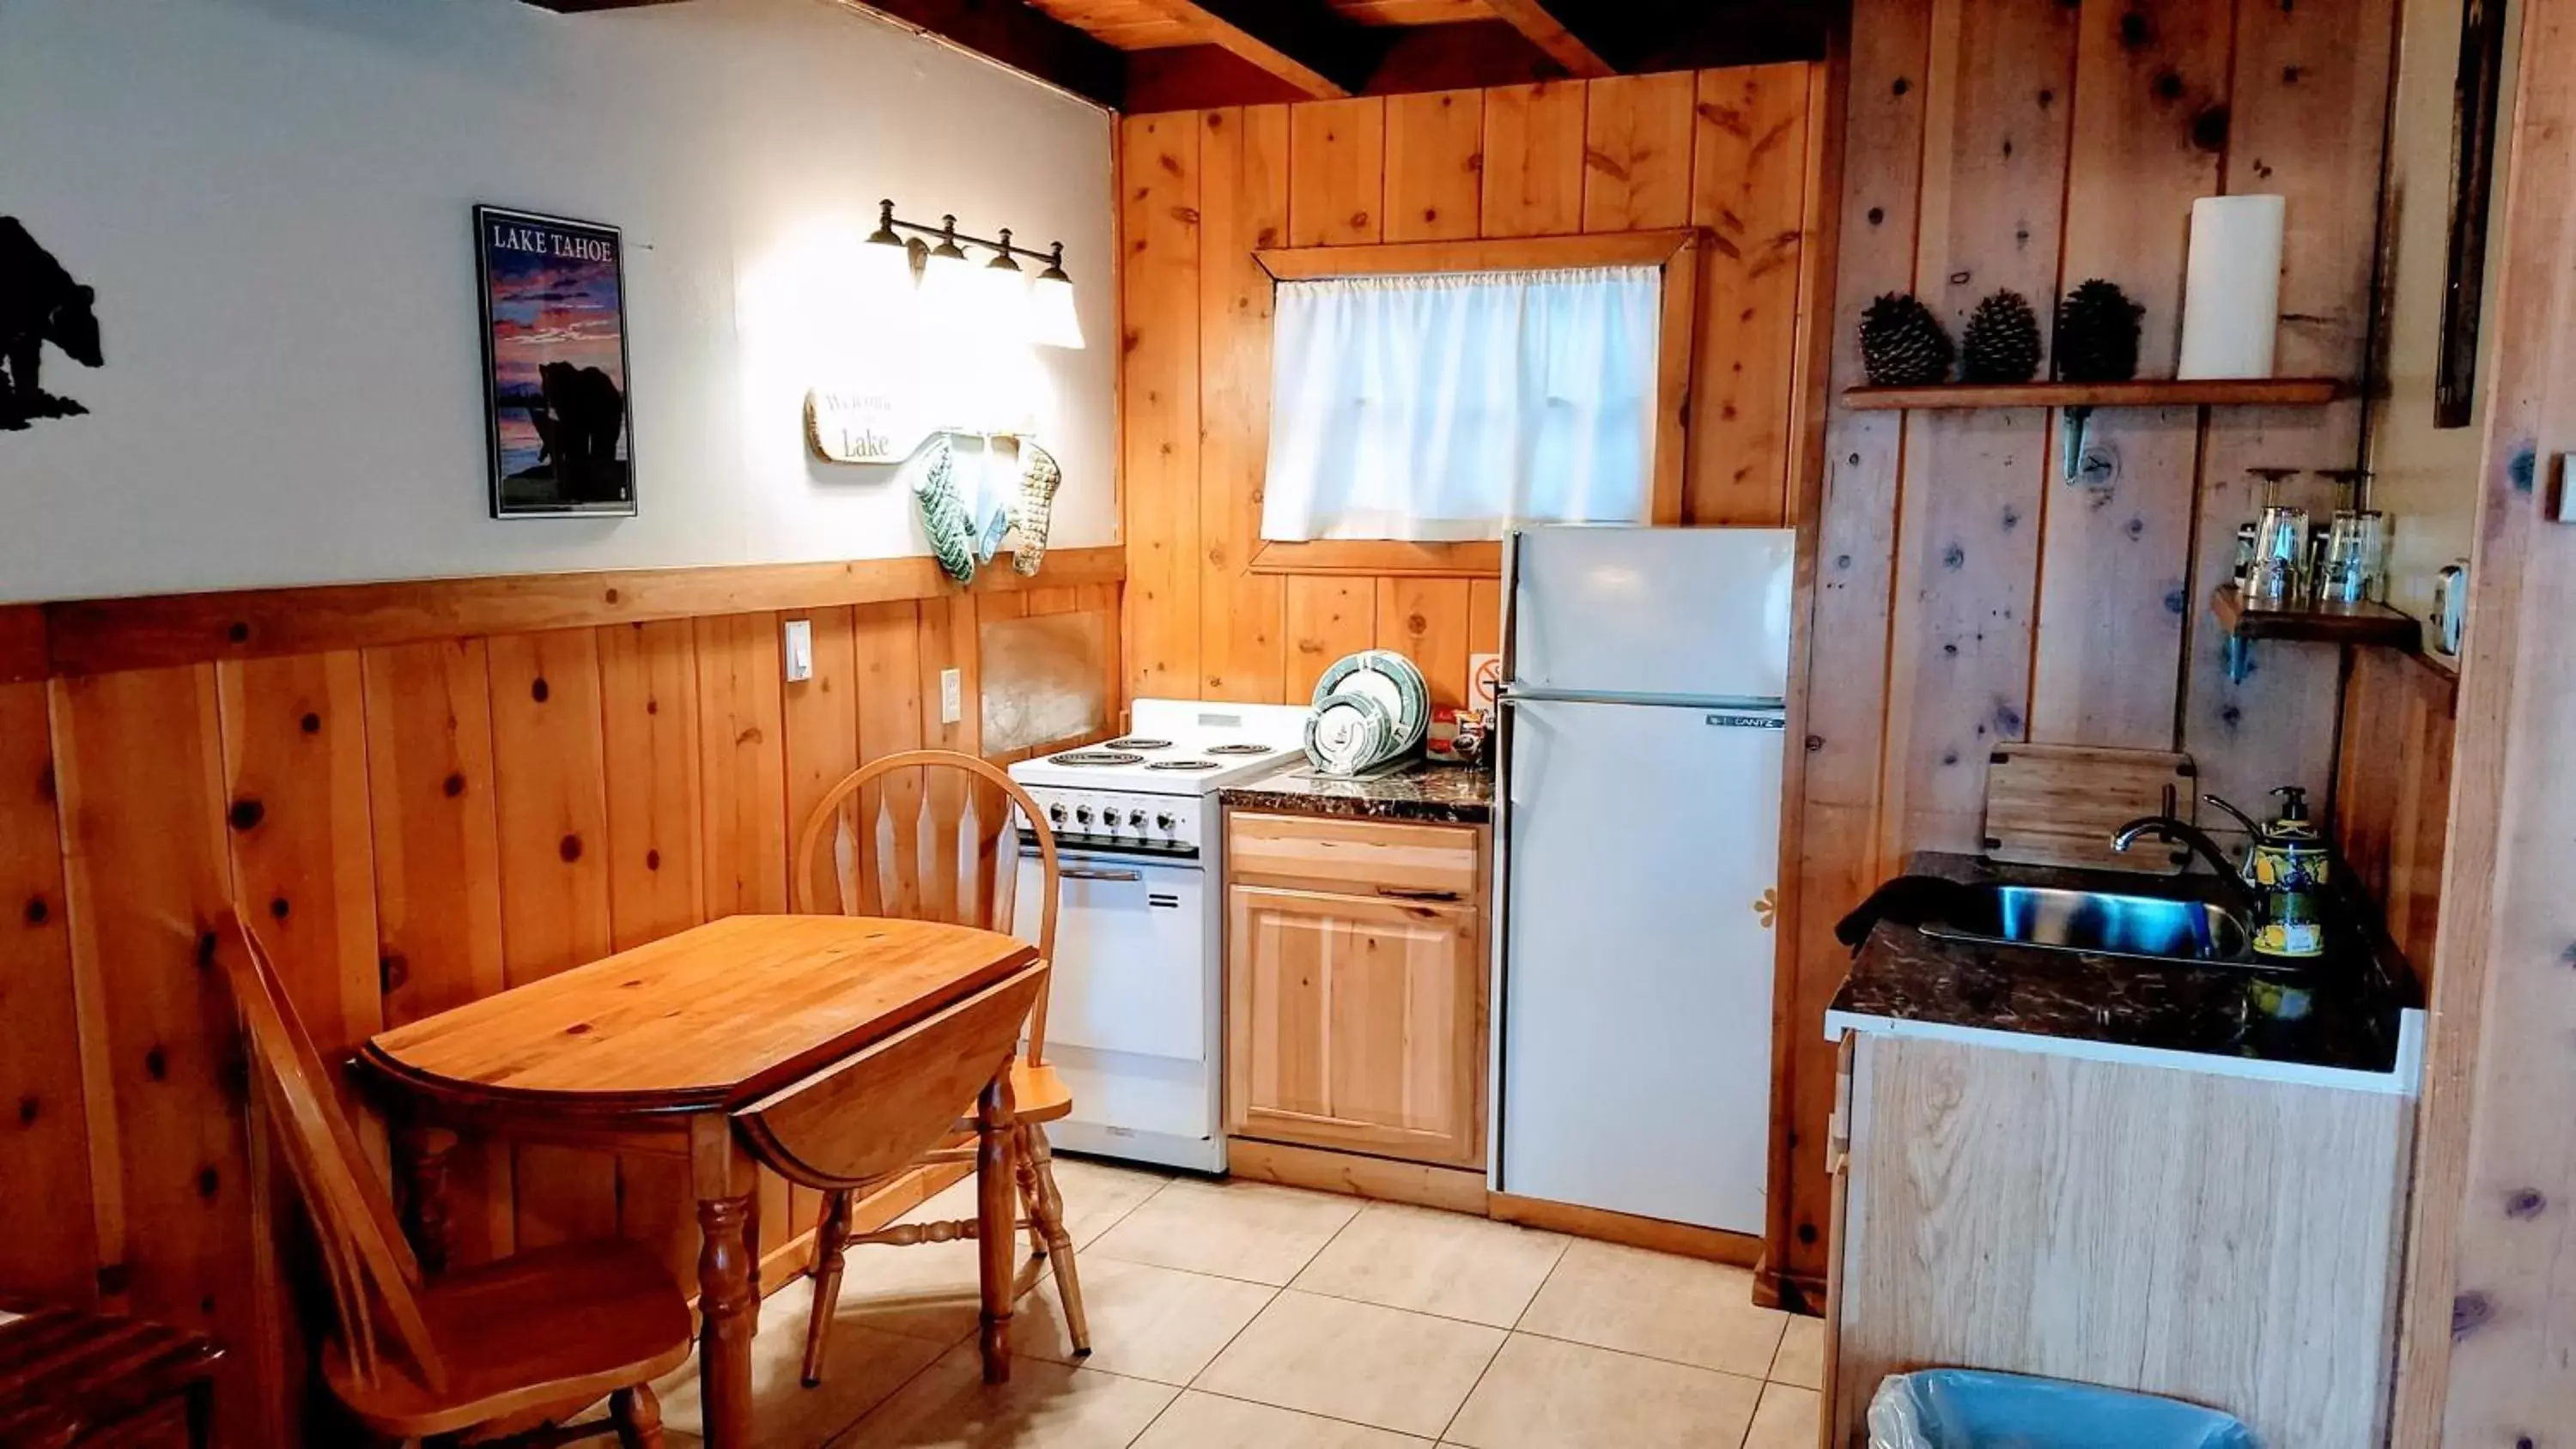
column 2060, row 805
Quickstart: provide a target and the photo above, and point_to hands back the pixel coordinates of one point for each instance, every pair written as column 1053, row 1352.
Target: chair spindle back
column 363, row 1252
column 928, row 835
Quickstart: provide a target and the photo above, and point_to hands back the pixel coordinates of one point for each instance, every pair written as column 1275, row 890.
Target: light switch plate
column 952, row 696
column 800, row 650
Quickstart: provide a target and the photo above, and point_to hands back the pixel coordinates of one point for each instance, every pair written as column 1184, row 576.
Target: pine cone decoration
column 1902, row 344
column 2001, row 341
column 2097, row 334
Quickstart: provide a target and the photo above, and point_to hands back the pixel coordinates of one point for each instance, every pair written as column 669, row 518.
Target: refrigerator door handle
column 1514, row 694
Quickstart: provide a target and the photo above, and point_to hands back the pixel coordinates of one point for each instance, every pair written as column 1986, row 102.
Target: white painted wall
column 273, row 199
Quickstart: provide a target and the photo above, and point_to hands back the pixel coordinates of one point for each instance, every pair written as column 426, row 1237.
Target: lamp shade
column 948, row 287
column 1052, row 319
column 1001, row 306
column 884, row 277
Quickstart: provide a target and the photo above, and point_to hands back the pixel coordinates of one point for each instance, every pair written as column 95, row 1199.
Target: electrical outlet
column 800, row 650
column 952, row 696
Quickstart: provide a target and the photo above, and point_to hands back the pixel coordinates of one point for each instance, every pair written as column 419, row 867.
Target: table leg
column 727, row 1187
column 424, row 1152
column 996, row 1223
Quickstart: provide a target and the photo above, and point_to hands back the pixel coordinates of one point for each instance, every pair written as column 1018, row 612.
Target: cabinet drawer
column 1392, row 859
column 1356, row 1024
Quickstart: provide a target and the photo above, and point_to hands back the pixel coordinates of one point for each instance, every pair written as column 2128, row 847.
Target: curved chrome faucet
column 2183, row 833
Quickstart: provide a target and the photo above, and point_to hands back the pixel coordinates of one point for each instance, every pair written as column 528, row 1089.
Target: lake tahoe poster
column 554, row 365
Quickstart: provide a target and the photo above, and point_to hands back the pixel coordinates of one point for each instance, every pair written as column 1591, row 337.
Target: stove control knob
column 1136, row 818
column 1082, row 814
column 1164, row 822
column 1055, row 813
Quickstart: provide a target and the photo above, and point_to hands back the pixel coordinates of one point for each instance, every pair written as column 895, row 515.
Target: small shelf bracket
column 2071, row 459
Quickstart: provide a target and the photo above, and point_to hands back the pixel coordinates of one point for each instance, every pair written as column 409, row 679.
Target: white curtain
column 1449, row 407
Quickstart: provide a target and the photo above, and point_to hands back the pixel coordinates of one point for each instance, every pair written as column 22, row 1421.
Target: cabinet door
column 1356, row 1024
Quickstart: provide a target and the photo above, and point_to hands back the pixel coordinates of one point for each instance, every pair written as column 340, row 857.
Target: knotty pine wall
column 409, row 826
column 1965, row 596
column 2393, row 791
column 1725, row 150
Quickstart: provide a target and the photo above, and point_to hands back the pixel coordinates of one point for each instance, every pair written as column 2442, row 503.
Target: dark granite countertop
column 1439, row 794
column 2340, row 1011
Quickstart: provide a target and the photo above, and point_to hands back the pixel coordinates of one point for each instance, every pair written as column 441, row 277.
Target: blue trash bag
column 1974, row 1409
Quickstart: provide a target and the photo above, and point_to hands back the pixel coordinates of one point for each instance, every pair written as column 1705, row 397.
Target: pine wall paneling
column 1202, row 190
column 2482, row 1350
column 2393, row 791
column 413, row 819
column 43, row 1138
column 139, row 767
column 1964, row 595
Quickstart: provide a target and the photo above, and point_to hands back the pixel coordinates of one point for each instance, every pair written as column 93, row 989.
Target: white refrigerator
column 1638, row 836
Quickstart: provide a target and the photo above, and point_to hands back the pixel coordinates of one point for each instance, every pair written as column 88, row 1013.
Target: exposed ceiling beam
column 1535, row 19
column 1462, row 55
column 1007, row 32
column 1306, row 43
column 579, row 7
column 1020, row 37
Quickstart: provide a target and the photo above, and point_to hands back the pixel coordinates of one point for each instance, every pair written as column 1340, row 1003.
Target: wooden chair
column 928, row 835
column 414, row 1359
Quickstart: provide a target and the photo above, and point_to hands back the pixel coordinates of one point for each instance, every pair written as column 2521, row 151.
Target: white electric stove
column 1135, row 1019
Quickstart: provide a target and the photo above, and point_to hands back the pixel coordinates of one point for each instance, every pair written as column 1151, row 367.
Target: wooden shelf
column 2371, row 624
column 2146, row 393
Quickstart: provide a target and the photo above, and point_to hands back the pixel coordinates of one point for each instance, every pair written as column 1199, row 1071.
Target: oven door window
column 1130, row 956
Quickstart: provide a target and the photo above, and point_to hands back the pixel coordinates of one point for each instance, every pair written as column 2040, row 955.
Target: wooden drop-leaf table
column 658, row 1050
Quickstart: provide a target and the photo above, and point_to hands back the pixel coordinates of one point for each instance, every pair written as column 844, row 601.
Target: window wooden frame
column 1675, row 249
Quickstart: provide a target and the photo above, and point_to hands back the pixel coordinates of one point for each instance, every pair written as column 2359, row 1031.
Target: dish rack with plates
column 1370, row 708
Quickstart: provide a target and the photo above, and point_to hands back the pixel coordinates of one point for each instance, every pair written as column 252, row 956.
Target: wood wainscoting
column 2393, row 790
column 1964, row 595
column 426, row 792
column 1730, row 153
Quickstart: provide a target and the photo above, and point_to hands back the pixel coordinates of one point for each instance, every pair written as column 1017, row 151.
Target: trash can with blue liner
column 1975, row 1409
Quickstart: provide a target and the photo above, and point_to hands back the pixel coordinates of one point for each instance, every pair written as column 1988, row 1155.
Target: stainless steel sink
column 2144, row 927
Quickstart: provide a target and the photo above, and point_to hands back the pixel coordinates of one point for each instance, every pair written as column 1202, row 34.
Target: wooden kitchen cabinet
column 1355, row 988
column 2214, row 1237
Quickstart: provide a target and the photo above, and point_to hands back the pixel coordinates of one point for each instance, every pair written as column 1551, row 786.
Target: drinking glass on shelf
column 2280, row 557
column 2345, row 578
column 2372, row 527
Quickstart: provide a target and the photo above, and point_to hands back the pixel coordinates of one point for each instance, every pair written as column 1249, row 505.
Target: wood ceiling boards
column 1154, row 55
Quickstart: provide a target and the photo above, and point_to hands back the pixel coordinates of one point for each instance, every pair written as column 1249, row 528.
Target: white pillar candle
column 2231, row 309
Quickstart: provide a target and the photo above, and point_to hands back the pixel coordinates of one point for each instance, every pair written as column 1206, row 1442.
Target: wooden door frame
column 2489, row 1222
column 1675, row 249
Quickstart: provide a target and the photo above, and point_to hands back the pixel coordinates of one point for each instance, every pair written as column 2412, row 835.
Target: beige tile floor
column 1233, row 1315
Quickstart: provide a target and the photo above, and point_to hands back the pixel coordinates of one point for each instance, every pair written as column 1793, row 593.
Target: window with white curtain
column 1448, row 407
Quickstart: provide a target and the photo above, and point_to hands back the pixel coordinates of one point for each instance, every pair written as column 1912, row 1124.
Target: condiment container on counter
column 2450, row 607
column 2287, row 868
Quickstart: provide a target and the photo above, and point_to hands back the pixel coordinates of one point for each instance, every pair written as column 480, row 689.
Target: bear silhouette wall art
column 554, row 353
column 40, row 304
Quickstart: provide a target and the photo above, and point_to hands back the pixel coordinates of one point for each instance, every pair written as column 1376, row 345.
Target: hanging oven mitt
column 1039, row 478
column 990, row 511
column 943, row 512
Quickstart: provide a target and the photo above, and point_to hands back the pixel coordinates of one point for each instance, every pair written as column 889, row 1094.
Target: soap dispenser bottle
column 2287, row 869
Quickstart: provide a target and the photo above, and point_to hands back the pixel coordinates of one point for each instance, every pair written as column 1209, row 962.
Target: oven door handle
column 1087, row 872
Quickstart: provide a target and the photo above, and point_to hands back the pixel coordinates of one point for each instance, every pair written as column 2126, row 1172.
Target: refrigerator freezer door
column 1643, row 851
column 1701, row 613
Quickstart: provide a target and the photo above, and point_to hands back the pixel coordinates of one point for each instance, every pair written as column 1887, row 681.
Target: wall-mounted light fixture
column 998, row 296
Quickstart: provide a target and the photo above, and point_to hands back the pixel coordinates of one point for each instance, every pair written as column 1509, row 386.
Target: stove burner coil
column 1138, row 742
column 1183, row 765
column 1241, row 750
column 1096, row 757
